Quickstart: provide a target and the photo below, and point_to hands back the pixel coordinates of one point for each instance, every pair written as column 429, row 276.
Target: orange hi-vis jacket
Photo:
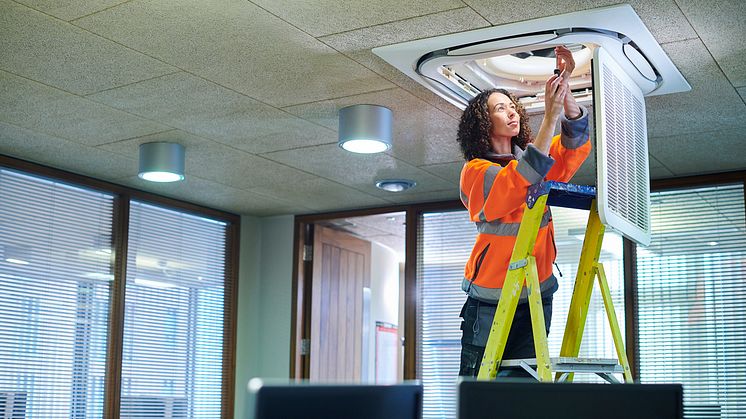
column 495, row 195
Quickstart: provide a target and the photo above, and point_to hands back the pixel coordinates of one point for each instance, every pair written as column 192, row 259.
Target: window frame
column 413, row 212
column 120, row 226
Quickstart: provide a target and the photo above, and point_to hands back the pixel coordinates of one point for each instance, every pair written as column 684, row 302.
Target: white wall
column 384, row 287
column 264, row 302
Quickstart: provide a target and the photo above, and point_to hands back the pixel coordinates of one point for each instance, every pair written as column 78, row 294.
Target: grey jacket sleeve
column 534, row 165
column 575, row 132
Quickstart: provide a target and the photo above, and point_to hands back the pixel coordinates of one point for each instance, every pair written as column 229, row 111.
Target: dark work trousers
column 477, row 322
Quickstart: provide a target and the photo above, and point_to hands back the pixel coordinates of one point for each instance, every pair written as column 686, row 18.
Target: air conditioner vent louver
column 623, row 181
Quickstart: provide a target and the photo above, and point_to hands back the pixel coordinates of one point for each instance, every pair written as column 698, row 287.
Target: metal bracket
column 518, row 264
column 529, row 370
column 307, row 253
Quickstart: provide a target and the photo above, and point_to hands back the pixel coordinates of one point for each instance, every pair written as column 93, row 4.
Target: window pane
column 173, row 332
column 444, row 244
column 55, row 276
column 692, row 299
column 597, row 342
column 443, row 247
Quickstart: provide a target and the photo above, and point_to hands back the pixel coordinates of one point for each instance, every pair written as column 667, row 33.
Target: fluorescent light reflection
column 162, row 177
column 154, row 284
column 364, row 146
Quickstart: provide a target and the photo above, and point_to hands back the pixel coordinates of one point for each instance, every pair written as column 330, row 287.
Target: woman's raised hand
column 566, row 64
column 565, row 60
column 554, row 96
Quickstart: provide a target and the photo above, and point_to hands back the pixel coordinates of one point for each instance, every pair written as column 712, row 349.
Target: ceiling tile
column 211, row 111
column 218, row 163
column 586, row 174
column 449, row 171
column 662, row 17
column 657, row 170
column 709, row 152
column 237, row 45
column 323, row 17
column 217, row 196
column 357, row 44
column 63, row 154
column 691, row 112
column 653, row 162
column 717, row 22
column 359, row 171
column 320, row 194
column 365, row 39
column 56, row 53
column 412, row 196
column 388, row 224
column 70, row 9
column 422, row 133
column 45, row 109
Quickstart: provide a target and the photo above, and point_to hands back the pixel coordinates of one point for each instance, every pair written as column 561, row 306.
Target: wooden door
column 341, row 270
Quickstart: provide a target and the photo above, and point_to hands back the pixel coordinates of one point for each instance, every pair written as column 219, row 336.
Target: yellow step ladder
column 522, row 269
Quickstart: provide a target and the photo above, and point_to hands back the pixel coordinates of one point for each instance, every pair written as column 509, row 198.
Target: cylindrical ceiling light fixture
column 161, row 162
column 365, row 128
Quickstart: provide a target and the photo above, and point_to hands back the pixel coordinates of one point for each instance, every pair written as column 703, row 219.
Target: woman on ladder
column 502, row 161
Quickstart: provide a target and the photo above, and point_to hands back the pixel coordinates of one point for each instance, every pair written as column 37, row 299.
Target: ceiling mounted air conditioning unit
column 618, row 62
column 519, row 57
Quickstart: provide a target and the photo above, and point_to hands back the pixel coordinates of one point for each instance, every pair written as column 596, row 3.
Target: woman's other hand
column 566, row 64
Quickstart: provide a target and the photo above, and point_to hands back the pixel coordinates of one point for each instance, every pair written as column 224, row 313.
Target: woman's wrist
column 572, row 110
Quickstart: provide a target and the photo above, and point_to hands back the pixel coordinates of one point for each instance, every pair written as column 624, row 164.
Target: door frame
column 300, row 328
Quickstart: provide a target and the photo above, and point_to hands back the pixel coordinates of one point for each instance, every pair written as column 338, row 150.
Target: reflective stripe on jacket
column 495, row 196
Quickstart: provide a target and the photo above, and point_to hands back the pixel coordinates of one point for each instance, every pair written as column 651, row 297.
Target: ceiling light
column 395, row 185
column 161, row 162
column 365, row 128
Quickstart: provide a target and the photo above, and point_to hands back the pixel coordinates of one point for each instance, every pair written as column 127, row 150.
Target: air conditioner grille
column 622, row 143
column 627, row 172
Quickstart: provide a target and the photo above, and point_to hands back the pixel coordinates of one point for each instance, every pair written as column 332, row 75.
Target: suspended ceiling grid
column 252, row 90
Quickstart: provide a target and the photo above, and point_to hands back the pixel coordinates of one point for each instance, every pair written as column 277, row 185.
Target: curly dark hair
column 474, row 128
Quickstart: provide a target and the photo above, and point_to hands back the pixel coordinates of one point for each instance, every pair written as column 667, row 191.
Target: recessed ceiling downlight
column 395, row 185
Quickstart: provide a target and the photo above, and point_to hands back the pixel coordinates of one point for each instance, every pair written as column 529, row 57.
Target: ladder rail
column 523, row 270
column 515, row 278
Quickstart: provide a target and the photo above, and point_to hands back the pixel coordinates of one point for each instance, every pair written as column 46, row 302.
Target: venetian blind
column 55, row 277
column 692, row 299
column 172, row 361
column 445, row 240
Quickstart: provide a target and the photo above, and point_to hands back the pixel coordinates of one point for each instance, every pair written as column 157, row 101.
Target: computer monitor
column 334, row 401
column 522, row 400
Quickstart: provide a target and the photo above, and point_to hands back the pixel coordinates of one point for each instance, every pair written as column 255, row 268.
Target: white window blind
column 55, row 276
column 443, row 245
column 445, row 240
column 692, row 299
column 172, row 360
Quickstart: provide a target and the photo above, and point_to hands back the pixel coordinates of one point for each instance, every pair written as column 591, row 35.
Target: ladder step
column 571, row 364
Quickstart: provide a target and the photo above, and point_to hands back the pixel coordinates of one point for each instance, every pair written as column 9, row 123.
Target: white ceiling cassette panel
column 519, row 57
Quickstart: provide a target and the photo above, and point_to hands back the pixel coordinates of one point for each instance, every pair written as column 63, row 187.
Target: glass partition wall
column 113, row 303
